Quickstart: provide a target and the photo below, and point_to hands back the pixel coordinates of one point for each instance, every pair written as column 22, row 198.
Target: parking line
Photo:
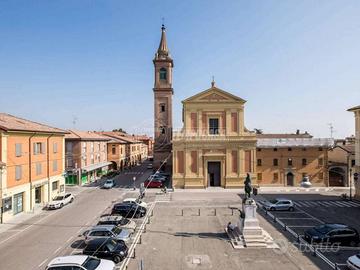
column 56, row 250
column 299, row 226
column 69, row 239
column 308, row 218
column 44, row 261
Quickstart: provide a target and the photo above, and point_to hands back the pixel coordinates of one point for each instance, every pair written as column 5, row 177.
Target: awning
column 92, row 167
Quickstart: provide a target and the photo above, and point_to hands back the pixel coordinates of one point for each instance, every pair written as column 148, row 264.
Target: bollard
column 134, row 254
column 274, row 219
column 199, row 212
column 285, row 227
column 144, row 228
column 139, row 242
column 298, row 238
column 148, row 220
column 314, row 254
column 152, row 213
column 182, row 212
column 215, row 212
column 232, row 211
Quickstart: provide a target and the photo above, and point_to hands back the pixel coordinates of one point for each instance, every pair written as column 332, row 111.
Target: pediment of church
column 214, row 94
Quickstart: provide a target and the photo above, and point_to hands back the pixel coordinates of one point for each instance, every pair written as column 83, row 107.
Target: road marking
column 300, row 226
column 56, row 250
column 69, row 239
column 44, row 261
column 295, row 218
column 37, row 223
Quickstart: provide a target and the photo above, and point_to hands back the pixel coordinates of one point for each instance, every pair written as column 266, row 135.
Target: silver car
column 108, row 231
column 279, row 204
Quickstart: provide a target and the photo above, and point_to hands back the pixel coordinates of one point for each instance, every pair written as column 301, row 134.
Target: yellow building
column 214, row 148
column 356, row 111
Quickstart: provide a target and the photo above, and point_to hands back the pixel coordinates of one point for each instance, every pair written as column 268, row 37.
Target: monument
column 248, row 233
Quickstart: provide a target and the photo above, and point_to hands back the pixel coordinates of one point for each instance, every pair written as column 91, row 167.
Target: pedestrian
column 230, row 227
column 134, row 179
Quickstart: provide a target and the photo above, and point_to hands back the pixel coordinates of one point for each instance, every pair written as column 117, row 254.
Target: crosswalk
column 134, row 173
column 324, row 203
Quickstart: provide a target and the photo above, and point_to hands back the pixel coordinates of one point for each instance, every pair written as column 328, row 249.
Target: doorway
column 214, row 174
column 290, row 179
column 18, row 203
column 38, row 195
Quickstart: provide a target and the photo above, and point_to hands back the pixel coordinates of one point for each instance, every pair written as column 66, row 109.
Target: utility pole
column 331, row 127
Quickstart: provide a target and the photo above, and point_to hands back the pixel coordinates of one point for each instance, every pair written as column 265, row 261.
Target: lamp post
column 350, row 184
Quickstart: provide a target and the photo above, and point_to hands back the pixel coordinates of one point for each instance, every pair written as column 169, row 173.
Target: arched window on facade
column 163, row 73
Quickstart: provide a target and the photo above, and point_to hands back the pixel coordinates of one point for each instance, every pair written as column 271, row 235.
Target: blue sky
column 295, row 62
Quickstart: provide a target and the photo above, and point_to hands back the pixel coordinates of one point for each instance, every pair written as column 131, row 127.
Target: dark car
column 107, row 248
column 333, row 234
column 154, row 183
column 128, row 210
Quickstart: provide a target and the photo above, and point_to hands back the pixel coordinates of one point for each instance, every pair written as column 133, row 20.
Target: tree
column 119, row 130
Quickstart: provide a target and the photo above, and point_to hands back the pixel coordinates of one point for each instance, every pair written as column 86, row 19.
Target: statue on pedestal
column 247, row 187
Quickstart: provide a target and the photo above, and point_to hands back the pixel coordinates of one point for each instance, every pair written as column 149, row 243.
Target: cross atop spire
column 213, row 81
column 163, row 50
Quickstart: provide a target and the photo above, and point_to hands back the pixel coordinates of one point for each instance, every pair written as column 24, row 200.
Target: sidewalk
column 25, row 217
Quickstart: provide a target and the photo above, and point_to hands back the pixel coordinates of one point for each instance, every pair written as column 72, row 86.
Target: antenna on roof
column 331, row 127
column 74, row 121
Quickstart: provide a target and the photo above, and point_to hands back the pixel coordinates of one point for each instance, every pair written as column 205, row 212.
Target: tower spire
column 163, row 49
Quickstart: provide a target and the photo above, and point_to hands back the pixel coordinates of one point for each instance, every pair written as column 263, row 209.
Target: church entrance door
column 214, row 174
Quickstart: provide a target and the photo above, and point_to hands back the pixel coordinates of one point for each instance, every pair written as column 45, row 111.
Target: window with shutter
column 18, row 149
column 18, row 172
column 38, row 168
column 55, row 165
column 55, row 147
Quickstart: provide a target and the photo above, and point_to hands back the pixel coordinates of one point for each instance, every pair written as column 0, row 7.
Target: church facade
column 213, row 148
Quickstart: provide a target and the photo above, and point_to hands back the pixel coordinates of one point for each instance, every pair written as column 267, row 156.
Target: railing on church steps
column 209, row 135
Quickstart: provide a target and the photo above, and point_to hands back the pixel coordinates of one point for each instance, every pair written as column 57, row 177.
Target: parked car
column 80, row 262
column 305, row 182
column 108, row 231
column 279, row 204
column 154, row 183
column 163, row 174
column 149, row 166
column 135, row 201
column 333, row 233
column 107, row 248
column 128, row 210
column 117, row 220
column 353, row 262
column 60, row 200
column 109, row 183
column 157, row 177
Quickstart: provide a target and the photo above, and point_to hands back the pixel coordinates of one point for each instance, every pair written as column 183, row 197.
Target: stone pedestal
column 253, row 235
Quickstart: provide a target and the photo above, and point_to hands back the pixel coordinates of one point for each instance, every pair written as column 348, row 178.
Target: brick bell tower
column 163, row 93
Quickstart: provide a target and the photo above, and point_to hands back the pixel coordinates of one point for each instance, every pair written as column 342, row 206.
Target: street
column 316, row 209
column 55, row 233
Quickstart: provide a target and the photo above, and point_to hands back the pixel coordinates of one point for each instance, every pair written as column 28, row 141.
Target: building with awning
column 86, row 157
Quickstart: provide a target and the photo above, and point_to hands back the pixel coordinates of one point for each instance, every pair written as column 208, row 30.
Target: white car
column 110, row 183
column 80, row 262
column 135, row 201
column 60, row 200
column 305, row 182
column 353, row 262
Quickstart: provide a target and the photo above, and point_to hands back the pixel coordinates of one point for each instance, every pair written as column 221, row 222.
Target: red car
column 154, row 183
